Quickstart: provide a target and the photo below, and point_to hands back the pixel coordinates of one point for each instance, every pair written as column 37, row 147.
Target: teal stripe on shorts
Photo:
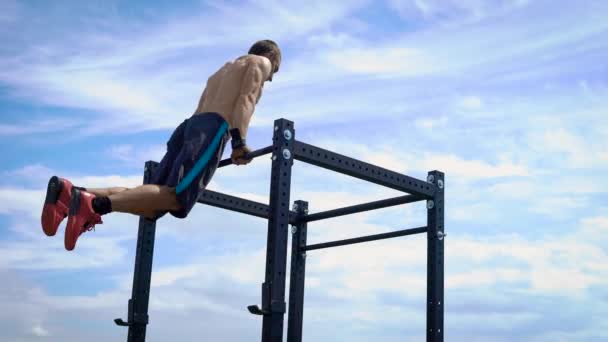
column 203, row 160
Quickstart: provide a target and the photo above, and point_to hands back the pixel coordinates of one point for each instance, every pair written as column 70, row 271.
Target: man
column 193, row 153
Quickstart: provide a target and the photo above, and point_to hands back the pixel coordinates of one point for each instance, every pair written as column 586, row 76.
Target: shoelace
column 88, row 226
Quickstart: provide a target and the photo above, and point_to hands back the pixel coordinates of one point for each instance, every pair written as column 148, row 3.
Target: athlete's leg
column 106, row 191
column 145, row 200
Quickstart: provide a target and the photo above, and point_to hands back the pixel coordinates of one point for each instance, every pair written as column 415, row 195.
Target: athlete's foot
column 82, row 217
column 56, row 204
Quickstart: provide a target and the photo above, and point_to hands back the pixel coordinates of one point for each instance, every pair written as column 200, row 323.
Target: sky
column 509, row 98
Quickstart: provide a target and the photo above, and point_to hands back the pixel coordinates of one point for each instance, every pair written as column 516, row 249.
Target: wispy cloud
column 38, row 126
column 460, row 10
column 135, row 157
column 391, row 61
column 40, row 331
column 131, row 98
column 576, row 150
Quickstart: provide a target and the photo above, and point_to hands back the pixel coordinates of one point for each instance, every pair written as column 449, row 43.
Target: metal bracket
column 134, row 319
column 267, row 308
column 255, row 310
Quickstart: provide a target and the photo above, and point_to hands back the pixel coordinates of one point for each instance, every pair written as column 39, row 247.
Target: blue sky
column 509, row 98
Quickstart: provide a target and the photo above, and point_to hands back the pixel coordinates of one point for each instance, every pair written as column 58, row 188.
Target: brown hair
column 267, row 48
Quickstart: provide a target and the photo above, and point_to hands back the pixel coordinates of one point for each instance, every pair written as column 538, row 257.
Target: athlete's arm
column 257, row 72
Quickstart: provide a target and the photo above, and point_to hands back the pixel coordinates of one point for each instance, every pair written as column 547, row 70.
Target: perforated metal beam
column 241, row 205
column 362, row 170
column 137, row 317
column 297, row 277
column 435, row 255
column 273, row 289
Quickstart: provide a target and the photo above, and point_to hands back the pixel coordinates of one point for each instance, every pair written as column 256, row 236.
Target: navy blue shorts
column 193, row 154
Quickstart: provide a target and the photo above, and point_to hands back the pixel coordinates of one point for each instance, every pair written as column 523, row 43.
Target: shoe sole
column 73, row 211
column 74, row 202
column 53, row 190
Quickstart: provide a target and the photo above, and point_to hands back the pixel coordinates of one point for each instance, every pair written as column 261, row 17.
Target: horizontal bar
column 389, row 202
column 241, row 205
column 366, row 238
column 249, row 155
column 362, row 170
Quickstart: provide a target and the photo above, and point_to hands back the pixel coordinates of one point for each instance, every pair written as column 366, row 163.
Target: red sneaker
column 56, row 204
column 82, row 217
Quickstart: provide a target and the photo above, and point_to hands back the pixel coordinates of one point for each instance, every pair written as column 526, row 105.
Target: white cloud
column 28, row 171
column 39, row 174
column 388, row 61
column 596, row 228
column 108, row 181
column 333, row 40
column 17, row 201
column 473, row 212
column 39, row 331
column 42, row 253
column 471, row 102
column 432, row 123
column 485, row 277
column 567, row 147
column 407, row 161
column 477, row 189
column 559, row 206
column 453, row 10
column 99, row 79
column 548, row 262
column 135, row 157
column 459, row 167
column 38, row 126
column 35, row 173
column 566, row 265
column 519, row 189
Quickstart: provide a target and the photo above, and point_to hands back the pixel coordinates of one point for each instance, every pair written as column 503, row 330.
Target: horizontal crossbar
column 365, row 238
column 241, row 205
column 389, row 202
column 362, row 170
column 250, row 155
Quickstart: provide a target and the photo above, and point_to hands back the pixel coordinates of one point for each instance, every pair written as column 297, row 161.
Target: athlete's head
column 270, row 50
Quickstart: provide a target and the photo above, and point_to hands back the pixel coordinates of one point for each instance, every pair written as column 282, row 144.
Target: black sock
column 80, row 188
column 102, row 205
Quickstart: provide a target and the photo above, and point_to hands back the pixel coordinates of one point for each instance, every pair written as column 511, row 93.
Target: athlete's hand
column 238, row 156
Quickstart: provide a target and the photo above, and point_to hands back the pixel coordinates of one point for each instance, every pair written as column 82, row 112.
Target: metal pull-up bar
column 367, row 238
column 250, row 155
column 389, row 202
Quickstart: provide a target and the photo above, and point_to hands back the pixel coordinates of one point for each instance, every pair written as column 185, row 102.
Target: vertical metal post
column 273, row 289
column 435, row 266
column 298, row 270
column 138, row 304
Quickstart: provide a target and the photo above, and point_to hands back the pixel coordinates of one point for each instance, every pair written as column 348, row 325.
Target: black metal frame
column 285, row 149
